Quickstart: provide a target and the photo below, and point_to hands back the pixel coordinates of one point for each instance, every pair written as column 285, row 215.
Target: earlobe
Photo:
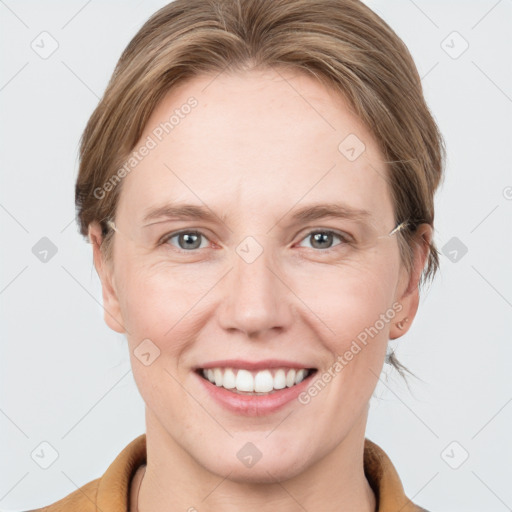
column 410, row 295
column 111, row 307
column 400, row 325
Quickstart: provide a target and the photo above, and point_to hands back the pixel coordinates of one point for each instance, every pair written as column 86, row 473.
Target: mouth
column 261, row 382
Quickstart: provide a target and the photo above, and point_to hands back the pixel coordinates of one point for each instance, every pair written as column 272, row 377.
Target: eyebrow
column 182, row 211
column 305, row 214
column 320, row 211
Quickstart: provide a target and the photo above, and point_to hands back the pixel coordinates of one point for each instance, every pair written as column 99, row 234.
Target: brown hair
column 342, row 43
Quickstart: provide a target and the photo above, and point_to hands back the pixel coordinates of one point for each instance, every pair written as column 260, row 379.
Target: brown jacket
column 110, row 492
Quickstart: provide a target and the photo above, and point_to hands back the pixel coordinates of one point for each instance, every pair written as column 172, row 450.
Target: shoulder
column 385, row 481
column 83, row 499
column 111, row 491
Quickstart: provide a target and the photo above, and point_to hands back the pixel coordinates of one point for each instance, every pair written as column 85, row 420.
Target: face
column 266, row 282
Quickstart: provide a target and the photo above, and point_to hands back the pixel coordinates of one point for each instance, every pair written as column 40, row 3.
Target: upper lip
column 253, row 365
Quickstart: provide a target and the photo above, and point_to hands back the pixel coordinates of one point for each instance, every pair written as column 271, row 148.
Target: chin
column 256, row 462
column 263, row 472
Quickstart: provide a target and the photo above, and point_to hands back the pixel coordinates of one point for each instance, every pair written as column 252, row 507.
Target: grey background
column 66, row 378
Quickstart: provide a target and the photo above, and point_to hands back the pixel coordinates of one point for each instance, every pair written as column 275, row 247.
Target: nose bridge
column 255, row 299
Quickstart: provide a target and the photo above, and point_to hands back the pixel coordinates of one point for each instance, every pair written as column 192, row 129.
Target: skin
column 258, row 145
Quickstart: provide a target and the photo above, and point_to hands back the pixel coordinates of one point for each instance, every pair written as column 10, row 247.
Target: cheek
column 157, row 298
column 348, row 300
column 359, row 313
column 356, row 311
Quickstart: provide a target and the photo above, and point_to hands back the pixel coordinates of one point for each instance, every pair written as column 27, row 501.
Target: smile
column 262, row 382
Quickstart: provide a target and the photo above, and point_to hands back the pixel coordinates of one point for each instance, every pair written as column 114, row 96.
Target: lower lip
column 254, row 405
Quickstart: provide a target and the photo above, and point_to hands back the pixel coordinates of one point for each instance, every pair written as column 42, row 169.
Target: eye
column 322, row 239
column 187, row 240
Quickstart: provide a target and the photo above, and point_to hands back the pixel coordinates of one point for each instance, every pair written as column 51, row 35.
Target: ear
column 111, row 307
column 408, row 288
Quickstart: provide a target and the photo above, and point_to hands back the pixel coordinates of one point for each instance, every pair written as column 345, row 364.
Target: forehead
column 255, row 139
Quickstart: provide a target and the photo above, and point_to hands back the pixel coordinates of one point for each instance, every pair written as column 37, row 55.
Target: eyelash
column 345, row 239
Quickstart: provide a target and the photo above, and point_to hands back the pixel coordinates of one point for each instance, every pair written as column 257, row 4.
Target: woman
column 257, row 184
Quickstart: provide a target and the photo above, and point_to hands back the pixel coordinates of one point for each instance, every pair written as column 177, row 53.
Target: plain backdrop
column 66, row 383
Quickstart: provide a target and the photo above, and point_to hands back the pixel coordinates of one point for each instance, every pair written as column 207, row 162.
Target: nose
column 255, row 297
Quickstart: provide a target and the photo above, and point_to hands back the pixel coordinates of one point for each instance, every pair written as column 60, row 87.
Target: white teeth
column 244, row 381
column 300, row 375
column 217, row 373
column 280, row 379
column 229, row 379
column 263, row 381
column 290, row 378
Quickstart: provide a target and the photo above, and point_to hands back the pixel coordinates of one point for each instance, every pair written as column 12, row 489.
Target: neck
column 173, row 480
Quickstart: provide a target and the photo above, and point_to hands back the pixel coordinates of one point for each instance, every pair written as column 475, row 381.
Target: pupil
column 189, row 240
column 319, row 236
